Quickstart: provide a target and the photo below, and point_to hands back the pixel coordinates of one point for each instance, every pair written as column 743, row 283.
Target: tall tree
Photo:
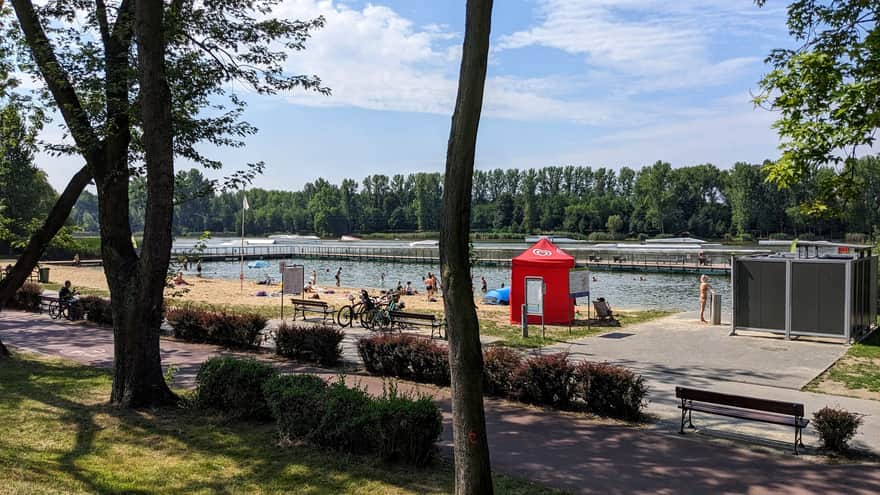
column 473, row 473
column 827, row 92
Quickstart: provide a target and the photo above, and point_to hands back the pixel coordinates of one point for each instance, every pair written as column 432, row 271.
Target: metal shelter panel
column 818, row 302
column 760, row 294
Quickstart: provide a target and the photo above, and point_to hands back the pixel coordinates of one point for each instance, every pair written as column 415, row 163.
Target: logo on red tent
column 542, row 252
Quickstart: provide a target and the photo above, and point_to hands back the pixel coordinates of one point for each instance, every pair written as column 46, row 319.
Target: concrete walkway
column 568, row 451
column 678, row 350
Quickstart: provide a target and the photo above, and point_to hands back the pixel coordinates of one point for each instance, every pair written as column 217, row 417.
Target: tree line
column 604, row 203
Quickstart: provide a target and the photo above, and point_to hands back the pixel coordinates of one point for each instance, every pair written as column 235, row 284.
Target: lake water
column 622, row 290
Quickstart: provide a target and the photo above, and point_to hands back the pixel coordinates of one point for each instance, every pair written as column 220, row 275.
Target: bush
column 809, row 236
column 27, row 297
column 609, row 390
column 856, row 237
column 405, row 427
column 780, row 236
column 405, row 356
column 428, row 362
column 96, row 309
column 836, row 427
column 346, row 422
column 746, row 237
column 544, row 380
column 318, row 343
column 297, row 402
column 233, row 387
column 216, row 327
column 499, row 366
column 600, row 236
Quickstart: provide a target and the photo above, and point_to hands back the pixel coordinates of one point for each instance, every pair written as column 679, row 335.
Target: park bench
column 46, row 302
column 312, row 306
column 401, row 318
column 742, row 407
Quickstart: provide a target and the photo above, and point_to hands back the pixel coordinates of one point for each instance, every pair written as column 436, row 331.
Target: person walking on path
column 705, row 290
column 338, row 276
column 483, row 286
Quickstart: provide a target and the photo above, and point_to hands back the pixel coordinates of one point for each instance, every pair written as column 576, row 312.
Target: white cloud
column 645, row 45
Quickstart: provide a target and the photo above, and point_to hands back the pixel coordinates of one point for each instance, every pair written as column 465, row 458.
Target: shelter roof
column 545, row 251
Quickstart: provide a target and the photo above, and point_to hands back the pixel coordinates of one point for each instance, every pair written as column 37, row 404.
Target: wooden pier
column 593, row 259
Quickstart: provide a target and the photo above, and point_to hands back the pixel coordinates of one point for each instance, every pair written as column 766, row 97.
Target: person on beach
column 178, row 280
column 314, row 280
column 705, row 290
column 428, row 287
column 484, row 287
column 409, row 289
column 199, row 268
column 76, row 259
column 338, row 276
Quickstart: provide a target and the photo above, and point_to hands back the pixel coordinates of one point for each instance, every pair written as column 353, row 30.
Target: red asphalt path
column 566, row 451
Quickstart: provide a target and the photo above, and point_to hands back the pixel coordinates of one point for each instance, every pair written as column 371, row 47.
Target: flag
column 244, row 203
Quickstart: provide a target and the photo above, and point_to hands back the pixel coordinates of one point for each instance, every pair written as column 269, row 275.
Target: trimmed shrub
column 216, row 327
column 233, row 387
column 600, row 236
column 405, row 428
column 96, row 309
column 499, row 366
column 609, row 390
column 346, row 423
column 297, row 402
column 428, row 362
column 318, row 343
column 27, row 297
column 544, row 380
column 405, row 356
column 386, row 354
column 836, row 427
column 780, row 236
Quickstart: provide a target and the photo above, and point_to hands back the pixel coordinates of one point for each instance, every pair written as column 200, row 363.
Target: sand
column 229, row 292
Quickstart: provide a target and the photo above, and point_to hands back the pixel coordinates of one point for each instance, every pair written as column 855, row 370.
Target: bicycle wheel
column 344, row 316
column 54, row 310
column 368, row 319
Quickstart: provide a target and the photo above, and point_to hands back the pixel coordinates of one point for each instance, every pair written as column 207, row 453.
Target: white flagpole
column 241, row 259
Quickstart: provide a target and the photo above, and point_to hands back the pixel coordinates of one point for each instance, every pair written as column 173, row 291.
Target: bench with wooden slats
column 401, row 318
column 312, row 306
column 742, row 407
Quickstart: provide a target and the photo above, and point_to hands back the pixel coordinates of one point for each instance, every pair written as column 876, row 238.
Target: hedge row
column 394, row 426
column 550, row 380
column 319, row 343
column 216, row 327
column 27, row 297
column 96, row 309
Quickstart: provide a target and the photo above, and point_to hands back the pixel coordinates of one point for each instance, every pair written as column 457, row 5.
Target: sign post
column 534, row 305
column 579, row 286
column 292, row 281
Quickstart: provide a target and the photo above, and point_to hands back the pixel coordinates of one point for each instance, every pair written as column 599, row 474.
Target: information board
column 579, row 283
column 292, row 279
column 534, row 296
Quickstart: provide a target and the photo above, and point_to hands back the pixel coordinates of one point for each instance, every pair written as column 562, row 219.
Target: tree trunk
column 138, row 283
column 41, row 238
column 473, row 473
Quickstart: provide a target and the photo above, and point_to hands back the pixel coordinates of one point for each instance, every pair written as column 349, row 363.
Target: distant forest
column 599, row 203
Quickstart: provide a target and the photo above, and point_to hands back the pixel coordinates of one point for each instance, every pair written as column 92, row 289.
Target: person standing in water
column 338, row 276
column 705, row 290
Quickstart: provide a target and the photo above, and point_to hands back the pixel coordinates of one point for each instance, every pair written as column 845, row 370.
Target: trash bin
column 716, row 309
column 44, row 275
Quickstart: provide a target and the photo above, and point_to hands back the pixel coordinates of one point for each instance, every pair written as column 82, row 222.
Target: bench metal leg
column 684, row 412
column 690, row 418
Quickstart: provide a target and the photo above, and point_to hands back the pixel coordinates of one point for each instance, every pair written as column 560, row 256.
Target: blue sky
column 584, row 82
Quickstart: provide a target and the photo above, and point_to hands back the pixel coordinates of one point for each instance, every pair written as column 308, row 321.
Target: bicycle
column 60, row 309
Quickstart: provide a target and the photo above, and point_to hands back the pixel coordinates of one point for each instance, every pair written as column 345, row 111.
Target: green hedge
column 319, row 343
column 216, row 327
column 234, row 387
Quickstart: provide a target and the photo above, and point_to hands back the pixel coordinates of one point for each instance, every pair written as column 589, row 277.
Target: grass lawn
column 511, row 335
column 856, row 374
column 85, row 291
column 58, row 436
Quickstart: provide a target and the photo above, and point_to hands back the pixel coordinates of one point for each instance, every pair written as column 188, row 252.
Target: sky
column 601, row 83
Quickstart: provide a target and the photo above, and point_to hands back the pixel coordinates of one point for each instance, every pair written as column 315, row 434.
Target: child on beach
column 705, row 290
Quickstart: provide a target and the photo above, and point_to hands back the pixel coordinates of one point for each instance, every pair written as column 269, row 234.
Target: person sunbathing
column 178, row 280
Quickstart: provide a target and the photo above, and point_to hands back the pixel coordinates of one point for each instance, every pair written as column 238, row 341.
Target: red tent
column 544, row 260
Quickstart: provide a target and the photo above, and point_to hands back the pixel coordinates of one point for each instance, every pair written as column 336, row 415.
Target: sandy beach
column 229, row 292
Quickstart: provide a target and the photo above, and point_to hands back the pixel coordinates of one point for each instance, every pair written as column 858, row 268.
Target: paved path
column 564, row 450
column 678, row 350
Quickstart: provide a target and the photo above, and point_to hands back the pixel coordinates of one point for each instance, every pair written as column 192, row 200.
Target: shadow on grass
column 165, row 450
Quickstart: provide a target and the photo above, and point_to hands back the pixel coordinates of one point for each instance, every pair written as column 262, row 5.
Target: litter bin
column 716, row 309
column 44, row 275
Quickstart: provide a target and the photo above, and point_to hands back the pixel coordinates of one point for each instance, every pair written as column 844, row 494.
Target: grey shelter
column 823, row 290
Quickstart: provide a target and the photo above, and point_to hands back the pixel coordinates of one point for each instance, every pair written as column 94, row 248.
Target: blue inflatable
column 258, row 264
column 497, row 296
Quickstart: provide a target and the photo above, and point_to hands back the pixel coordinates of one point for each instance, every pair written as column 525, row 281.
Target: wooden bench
column 46, row 302
column 419, row 319
column 312, row 306
column 742, row 407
